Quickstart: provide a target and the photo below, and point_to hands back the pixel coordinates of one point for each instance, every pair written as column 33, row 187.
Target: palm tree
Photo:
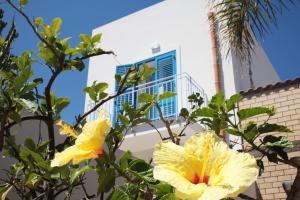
column 240, row 24
column 241, row 21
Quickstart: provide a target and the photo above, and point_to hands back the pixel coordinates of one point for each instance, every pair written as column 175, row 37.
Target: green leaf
column 204, row 112
column 30, row 106
column 184, row 113
column 29, row 143
column 123, row 119
column 250, row 132
column 139, row 165
column 169, row 197
column 267, row 128
column 61, row 103
column 96, row 38
column 101, row 87
column 230, row 103
column 217, row 101
column 119, row 194
column 162, row 188
column 32, row 158
column 146, row 98
column 146, row 72
column 273, row 141
column 23, row 2
column 118, row 78
column 166, row 95
column 39, row 21
column 124, row 160
column 233, row 132
column 38, row 80
column 76, row 173
column 85, row 38
column 55, row 25
column 6, row 191
column 96, row 91
column 251, row 112
column 146, row 176
column 106, row 180
column 32, row 179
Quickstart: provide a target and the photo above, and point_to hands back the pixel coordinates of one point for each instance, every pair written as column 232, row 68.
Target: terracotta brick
column 273, row 95
column 290, row 171
column 268, row 102
column 289, row 112
column 268, row 196
column 296, row 101
column 284, row 119
column 260, row 180
column 286, row 93
column 281, row 167
column 266, row 174
column 260, row 99
column 285, row 178
column 281, row 99
column 296, row 127
column 277, row 173
column 297, row 95
column 265, row 185
column 297, row 137
column 282, row 109
column 291, row 123
column 277, row 184
column 272, row 190
column 280, row 195
column 270, row 179
column 273, row 120
column 272, row 168
column 262, row 191
column 295, row 116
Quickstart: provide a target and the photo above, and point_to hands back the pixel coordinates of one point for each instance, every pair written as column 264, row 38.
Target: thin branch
column 159, row 133
column 49, row 109
column 95, row 54
column 34, row 28
column 167, row 123
column 41, row 118
column 185, row 126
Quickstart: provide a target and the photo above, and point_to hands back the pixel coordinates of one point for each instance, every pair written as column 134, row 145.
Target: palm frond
column 240, row 21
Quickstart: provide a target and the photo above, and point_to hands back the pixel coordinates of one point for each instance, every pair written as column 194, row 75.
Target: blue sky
column 282, row 45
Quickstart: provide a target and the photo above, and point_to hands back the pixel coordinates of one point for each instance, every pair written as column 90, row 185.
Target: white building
column 173, row 36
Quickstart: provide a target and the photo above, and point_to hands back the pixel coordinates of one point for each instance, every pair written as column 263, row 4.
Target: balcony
column 182, row 84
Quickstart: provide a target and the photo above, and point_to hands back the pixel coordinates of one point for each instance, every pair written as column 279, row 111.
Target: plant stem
column 167, row 124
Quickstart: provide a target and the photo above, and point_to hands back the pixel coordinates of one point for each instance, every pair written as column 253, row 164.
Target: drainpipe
column 215, row 51
column 215, row 57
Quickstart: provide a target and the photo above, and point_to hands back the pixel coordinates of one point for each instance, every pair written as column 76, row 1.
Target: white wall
column 175, row 25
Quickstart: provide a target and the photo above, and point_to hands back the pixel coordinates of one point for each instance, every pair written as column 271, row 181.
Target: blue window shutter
column 166, row 71
column 127, row 97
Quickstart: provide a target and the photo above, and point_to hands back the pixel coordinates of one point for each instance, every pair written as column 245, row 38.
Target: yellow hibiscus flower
column 66, row 129
column 88, row 145
column 205, row 168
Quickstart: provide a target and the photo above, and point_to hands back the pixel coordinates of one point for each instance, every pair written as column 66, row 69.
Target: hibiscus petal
column 169, row 155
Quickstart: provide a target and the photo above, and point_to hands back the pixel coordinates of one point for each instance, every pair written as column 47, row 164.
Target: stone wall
column 285, row 97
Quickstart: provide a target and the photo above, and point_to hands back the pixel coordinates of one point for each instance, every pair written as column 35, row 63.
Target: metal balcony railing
column 182, row 84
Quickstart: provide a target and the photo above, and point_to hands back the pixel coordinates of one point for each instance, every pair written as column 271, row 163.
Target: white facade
column 174, row 25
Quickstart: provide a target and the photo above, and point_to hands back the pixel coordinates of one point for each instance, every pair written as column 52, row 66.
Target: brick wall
column 285, row 97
